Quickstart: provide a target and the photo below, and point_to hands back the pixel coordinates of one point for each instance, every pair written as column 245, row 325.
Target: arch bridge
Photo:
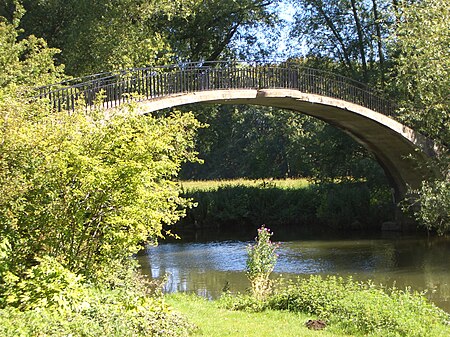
column 337, row 100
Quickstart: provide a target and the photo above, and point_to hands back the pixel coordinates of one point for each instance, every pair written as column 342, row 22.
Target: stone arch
column 400, row 150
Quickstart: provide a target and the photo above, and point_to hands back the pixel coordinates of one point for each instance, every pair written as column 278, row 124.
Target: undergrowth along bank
column 240, row 202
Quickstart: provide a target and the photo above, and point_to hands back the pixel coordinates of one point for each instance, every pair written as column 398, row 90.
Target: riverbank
column 213, row 321
column 343, row 308
column 286, row 202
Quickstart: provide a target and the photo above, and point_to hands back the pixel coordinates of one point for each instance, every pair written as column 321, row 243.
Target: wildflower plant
column 261, row 261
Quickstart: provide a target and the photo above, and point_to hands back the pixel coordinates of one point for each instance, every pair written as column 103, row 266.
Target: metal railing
column 115, row 88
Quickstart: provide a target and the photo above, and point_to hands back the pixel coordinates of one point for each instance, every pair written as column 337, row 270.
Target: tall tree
column 25, row 62
column 263, row 142
column 420, row 74
column 421, row 81
column 360, row 34
column 103, row 35
column 348, row 31
column 210, row 26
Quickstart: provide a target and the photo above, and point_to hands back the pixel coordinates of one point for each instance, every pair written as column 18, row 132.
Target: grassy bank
column 213, row 185
column 286, row 202
column 213, row 321
column 349, row 309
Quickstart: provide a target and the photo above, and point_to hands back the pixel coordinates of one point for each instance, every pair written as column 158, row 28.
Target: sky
column 281, row 47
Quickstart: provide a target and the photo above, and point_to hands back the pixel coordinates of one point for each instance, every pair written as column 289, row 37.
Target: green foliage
column 261, row 260
column 104, row 35
column 88, row 190
column 244, row 205
column 313, row 295
column 97, row 36
column 87, row 187
column 357, row 308
column 243, row 302
column 420, row 80
column 215, row 29
column 52, row 301
column 79, row 193
column 5, row 252
column 334, row 205
column 25, row 61
column 430, row 205
column 47, row 284
column 421, row 75
column 348, row 32
column 343, row 204
column 264, row 142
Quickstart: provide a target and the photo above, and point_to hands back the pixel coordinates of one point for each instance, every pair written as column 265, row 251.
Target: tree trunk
column 376, row 17
column 360, row 39
column 336, row 34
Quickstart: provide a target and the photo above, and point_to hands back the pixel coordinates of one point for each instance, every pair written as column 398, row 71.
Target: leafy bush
column 52, row 301
column 79, row 193
column 85, row 187
column 430, row 204
column 394, row 312
column 357, row 307
column 106, row 316
column 244, row 302
column 312, row 295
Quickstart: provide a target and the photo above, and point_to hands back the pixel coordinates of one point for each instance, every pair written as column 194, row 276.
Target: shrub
column 52, row 301
column 357, row 307
column 244, row 302
column 430, row 204
column 88, row 191
column 79, row 193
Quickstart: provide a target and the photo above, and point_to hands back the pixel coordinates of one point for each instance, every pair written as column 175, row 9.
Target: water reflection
column 206, row 268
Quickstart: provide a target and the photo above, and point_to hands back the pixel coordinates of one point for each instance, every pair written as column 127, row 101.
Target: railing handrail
column 157, row 81
column 196, row 65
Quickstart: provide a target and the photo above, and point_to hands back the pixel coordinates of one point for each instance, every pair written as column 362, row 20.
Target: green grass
column 213, row 185
column 213, row 321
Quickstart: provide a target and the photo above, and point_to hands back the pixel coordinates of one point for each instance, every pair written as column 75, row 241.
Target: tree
column 85, row 190
column 264, row 142
column 207, row 32
column 81, row 188
column 421, row 81
column 348, row 31
column 79, row 192
column 25, row 62
column 104, row 35
column 430, row 205
column 420, row 76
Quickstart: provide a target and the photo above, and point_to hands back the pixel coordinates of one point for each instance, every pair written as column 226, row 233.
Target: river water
column 208, row 264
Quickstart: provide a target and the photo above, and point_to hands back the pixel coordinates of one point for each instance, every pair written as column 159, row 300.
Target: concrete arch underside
column 399, row 149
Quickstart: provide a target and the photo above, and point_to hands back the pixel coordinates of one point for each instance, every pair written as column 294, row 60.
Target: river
column 208, row 263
